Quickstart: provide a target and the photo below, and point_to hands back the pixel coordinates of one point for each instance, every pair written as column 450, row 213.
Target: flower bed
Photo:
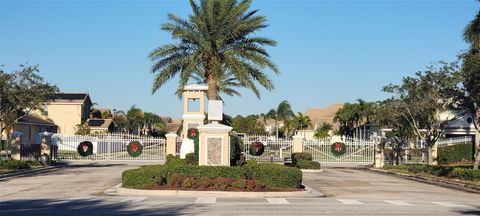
column 176, row 174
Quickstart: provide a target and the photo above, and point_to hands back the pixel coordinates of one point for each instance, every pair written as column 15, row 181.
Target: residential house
column 67, row 110
column 318, row 116
column 98, row 125
column 30, row 126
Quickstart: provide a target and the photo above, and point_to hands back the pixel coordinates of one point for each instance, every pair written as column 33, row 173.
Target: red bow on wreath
column 338, row 147
column 85, row 147
column 193, row 132
column 256, row 146
column 134, row 147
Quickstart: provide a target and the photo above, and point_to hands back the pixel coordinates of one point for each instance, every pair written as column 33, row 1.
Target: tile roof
column 31, row 119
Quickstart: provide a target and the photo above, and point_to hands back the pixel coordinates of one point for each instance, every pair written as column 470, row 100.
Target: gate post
column 297, row 143
column 45, row 147
column 171, row 144
column 379, row 160
column 16, row 145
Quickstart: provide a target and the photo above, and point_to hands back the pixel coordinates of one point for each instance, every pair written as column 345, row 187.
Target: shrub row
column 176, row 171
column 460, row 172
column 304, row 160
column 455, row 153
column 17, row 164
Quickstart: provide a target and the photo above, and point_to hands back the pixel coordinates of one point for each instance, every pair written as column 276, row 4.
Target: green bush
column 14, row 164
column 175, row 161
column 455, row 153
column 307, row 165
column 275, row 175
column 301, row 156
column 236, row 150
column 191, row 159
column 418, row 168
column 399, row 167
column 250, row 176
column 465, row 174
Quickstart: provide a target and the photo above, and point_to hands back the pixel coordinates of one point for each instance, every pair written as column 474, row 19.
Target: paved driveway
column 77, row 190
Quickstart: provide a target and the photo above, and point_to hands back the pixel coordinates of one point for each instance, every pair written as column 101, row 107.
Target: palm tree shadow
column 88, row 207
column 470, row 211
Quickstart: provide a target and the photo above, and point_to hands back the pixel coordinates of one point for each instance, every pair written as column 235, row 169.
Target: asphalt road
column 78, row 190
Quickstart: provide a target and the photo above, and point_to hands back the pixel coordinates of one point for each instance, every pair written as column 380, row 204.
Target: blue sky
column 328, row 51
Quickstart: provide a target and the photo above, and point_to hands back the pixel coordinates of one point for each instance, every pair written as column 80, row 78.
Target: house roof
column 166, row 119
column 71, row 97
column 100, row 123
column 172, row 127
column 34, row 120
column 326, row 114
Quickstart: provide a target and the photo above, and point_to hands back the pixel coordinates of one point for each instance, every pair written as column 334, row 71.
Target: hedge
column 15, row 164
column 461, row 172
column 300, row 156
column 455, row 153
column 465, row 174
column 178, row 175
column 307, row 165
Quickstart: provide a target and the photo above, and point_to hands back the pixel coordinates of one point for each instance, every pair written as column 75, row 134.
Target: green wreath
column 134, row 149
column 192, row 133
column 256, row 148
column 338, row 148
column 85, row 148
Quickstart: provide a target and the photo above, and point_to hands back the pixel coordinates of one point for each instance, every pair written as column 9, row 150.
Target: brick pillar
column 171, row 144
column 16, row 145
column 297, row 143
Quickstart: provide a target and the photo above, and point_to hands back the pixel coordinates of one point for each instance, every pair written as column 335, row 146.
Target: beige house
column 67, row 110
column 30, row 126
column 101, row 126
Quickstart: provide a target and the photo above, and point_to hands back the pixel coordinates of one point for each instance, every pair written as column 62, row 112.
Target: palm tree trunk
column 477, row 145
column 276, row 127
column 212, row 93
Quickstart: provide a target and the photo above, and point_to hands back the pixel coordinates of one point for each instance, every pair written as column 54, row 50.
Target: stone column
column 214, row 145
column 45, row 147
column 379, row 159
column 297, row 143
column 16, row 145
column 171, row 144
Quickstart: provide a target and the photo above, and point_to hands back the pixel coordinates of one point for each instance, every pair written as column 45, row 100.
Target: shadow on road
column 87, row 207
column 470, row 212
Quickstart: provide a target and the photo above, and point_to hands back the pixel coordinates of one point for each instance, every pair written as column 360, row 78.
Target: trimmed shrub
column 307, row 165
column 145, row 176
column 418, row 168
column 455, row 153
column 465, row 174
column 175, row 161
column 14, row 164
column 191, row 159
column 301, row 156
column 275, row 175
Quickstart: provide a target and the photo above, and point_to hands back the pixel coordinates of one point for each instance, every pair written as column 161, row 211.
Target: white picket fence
column 454, row 141
column 276, row 150
column 111, row 147
column 358, row 152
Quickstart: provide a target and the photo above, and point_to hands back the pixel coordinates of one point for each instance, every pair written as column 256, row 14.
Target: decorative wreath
column 256, row 148
column 134, row 148
column 85, row 148
column 192, row 133
column 338, row 148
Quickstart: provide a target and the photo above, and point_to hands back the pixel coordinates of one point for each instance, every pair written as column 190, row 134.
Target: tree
column 219, row 38
column 120, row 121
column 82, row 129
column 135, row 119
column 347, row 119
column 422, row 98
column 155, row 124
column 22, row 91
column 282, row 113
column 248, row 125
column 302, row 122
column 471, row 79
column 323, row 131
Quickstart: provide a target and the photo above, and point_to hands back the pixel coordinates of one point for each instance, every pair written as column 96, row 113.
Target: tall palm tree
column 471, row 33
column 226, row 84
column 135, row 119
column 219, row 38
column 302, row 122
column 282, row 113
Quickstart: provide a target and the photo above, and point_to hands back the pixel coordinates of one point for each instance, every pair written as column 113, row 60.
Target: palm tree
column 471, row 33
column 226, row 84
column 302, row 122
column 282, row 113
column 135, row 119
column 323, row 131
column 218, row 39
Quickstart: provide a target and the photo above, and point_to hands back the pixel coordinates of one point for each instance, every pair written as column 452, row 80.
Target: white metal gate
column 111, row 147
column 276, row 150
column 358, row 152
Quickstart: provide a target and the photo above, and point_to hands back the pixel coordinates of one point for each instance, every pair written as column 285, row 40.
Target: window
column 193, row 105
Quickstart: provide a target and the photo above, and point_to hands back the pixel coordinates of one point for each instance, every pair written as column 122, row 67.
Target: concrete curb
column 312, row 170
column 27, row 172
column 434, row 181
column 118, row 190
